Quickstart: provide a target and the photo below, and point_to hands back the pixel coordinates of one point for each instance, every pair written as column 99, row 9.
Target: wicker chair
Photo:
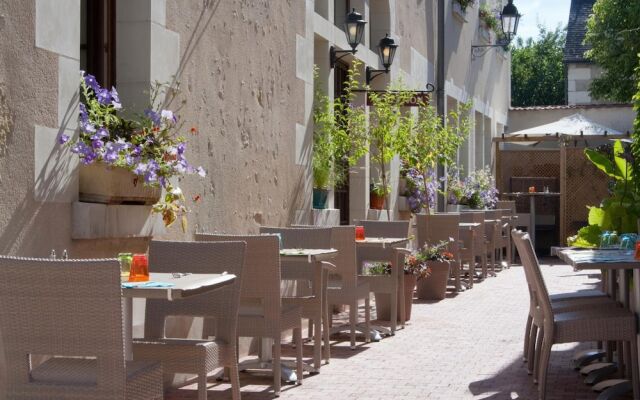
column 261, row 312
column 393, row 284
column 435, row 228
column 66, row 309
column 315, row 308
column 195, row 356
column 609, row 323
column 504, row 237
column 479, row 243
column 348, row 288
column 492, row 233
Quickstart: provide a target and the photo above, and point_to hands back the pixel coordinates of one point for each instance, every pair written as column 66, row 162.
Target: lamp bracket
column 372, row 74
column 333, row 55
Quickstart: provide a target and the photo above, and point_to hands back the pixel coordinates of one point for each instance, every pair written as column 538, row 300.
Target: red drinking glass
column 637, row 255
column 359, row 232
column 139, row 268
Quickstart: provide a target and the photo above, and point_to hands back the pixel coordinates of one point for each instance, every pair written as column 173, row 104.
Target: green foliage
column 339, row 136
column 612, row 33
column 537, row 69
column 621, row 210
column 588, row 237
column 635, row 144
column 430, row 142
column 465, row 3
column 489, row 18
column 388, row 130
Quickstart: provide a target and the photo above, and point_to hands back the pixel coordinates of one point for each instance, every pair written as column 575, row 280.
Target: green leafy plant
column 621, row 210
column 488, row 18
column 379, row 268
column 388, row 132
column 429, row 143
column 465, row 3
column 339, row 138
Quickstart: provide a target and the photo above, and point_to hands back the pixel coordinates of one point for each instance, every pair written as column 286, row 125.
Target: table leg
column 317, row 334
column 326, row 327
column 532, row 222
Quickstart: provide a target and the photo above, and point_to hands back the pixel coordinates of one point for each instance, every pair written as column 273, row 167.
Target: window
column 340, row 10
column 98, row 40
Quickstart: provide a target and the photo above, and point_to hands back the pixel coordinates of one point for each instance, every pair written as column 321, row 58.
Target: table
column 610, row 262
column 317, row 258
column 183, row 286
column 532, row 208
column 385, row 244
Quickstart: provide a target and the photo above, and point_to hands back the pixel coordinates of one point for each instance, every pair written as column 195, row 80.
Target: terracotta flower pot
column 383, row 300
column 434, row 287
column 376, row 202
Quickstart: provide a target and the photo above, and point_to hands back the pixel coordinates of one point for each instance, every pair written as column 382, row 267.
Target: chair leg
column 633, row 368
column 202, row 385
column 277, row 369
column 535, row 337
column 326, row 331
column 536, row 354
column 310, row 329
column 527, row 333
column 234, row 377
column 353, row 319
column 367, row 318
column 544, row 365
column 317, row 343
column 297, row 336
column 456, row 274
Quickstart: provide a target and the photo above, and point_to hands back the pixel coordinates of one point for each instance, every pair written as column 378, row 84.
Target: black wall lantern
column 386, row 51
column 353, row 29
column 509, row 20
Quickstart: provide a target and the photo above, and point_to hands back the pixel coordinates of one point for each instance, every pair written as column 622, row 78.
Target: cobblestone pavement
column 467, row 346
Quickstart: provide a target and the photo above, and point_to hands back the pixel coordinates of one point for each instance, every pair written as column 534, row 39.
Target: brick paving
column 467, row 346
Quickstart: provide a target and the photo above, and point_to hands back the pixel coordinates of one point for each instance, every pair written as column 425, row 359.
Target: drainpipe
column 440, row 94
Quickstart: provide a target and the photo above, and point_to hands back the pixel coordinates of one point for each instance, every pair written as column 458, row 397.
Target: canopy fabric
column 573, row 125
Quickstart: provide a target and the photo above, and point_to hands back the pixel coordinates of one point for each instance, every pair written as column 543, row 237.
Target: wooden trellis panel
column 585, row 186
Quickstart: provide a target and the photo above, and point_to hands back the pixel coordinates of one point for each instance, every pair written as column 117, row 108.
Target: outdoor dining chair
column 217, row 346
column 69, row 313
column 606, row 323
column 313, row 307
column 392, row 284
column 492, row 232
column 504, row 237
column 435, row 228
column 479, row 241
column 261, row 313
column 345, row 286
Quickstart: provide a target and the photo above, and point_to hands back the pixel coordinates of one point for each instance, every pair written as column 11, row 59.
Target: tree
column 612, row 33
column 537, row 71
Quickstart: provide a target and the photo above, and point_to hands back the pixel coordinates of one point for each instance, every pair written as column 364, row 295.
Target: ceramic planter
column 320, row 198
column 99, row 183
column 456, row 207
column 434, row 287
column 383, row 300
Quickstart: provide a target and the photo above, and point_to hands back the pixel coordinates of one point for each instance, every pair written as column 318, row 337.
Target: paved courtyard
column 465, row 347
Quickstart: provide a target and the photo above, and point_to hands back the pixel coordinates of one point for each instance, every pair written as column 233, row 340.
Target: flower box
column 113, row 185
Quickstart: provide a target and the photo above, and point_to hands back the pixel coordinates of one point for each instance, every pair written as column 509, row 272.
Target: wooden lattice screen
column 585, row 186
column 581, row 184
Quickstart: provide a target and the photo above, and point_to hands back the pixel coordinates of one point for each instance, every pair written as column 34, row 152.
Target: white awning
column 573, row 125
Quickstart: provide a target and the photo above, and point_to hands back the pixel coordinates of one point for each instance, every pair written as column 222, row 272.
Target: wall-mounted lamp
column 386, row 51
column 353, row 29
column 509, row 19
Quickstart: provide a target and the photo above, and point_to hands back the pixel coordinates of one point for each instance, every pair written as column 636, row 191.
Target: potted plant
column 378, row 194
column 143, row 153
column 480, row 190
column 455, row 190
column 338, row 137
column 433, row 286
column 414, row 269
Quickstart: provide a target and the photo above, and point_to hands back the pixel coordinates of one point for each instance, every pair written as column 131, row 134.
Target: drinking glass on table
column 125, row 263
column 360, row 233
column 139, row 268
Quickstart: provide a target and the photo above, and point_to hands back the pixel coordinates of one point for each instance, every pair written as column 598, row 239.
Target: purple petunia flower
column 201, row 172
column 91, row 82
column 84, row 116
column 97, row 144
column 168, row 115
column 62, row 139
column 103, row 96
column 101, row 133
column 136, row 151
column 140, row 169
column 115, row 99
column 181, row 148
column 153, row 116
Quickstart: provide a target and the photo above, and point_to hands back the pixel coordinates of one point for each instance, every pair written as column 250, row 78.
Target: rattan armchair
column 392, row 285
column 479, row 242
column 608, row 323
column 435, row 228
column 314, row 307
column 217, row 347
column 70, row 309
column 345, row 287
column 261, row 312
column 492, row 236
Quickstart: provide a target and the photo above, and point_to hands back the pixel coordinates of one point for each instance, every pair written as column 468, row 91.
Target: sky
column 549, row 13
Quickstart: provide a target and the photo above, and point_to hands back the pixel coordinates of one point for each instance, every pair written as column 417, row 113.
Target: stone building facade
column 246, row 73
